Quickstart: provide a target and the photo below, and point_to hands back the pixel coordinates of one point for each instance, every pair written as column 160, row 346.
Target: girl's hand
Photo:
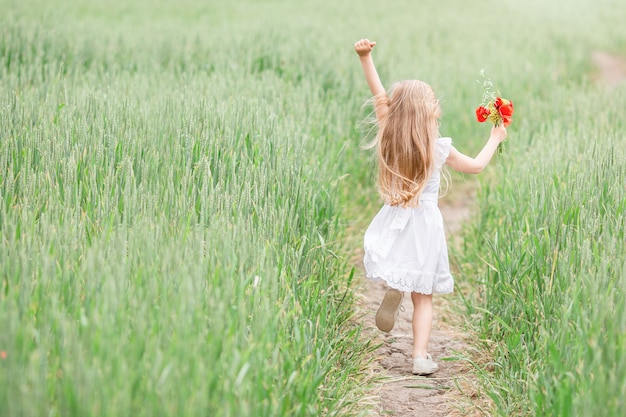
column 498, row 133
column 364, row 47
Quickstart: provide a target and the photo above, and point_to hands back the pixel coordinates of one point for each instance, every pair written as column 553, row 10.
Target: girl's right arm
column 364, row 49
column 463, row 163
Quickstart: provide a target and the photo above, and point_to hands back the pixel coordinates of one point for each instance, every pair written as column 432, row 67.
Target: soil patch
column 611, row 68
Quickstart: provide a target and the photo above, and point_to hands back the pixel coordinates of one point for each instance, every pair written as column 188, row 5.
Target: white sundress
column 406, row 247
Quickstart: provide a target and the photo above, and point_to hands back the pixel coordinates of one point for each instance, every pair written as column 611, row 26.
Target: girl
column 405, row 243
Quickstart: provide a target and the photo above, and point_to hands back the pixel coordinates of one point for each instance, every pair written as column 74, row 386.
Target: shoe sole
column 423, row 372
column 386, row 314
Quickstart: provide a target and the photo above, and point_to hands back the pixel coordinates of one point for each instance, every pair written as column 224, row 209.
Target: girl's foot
column 388, row 310
column 424, row 366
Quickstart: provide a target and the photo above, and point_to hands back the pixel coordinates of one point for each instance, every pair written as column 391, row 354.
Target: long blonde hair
column 406, row 142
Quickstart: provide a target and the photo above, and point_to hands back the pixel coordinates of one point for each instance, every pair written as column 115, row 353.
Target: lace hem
column 411, row 281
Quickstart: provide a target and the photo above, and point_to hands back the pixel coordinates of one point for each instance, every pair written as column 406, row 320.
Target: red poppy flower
column 482, row 113
column 506, row 110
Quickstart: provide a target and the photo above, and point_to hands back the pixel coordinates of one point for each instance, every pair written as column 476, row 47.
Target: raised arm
column 364, row 49
column 463, row 163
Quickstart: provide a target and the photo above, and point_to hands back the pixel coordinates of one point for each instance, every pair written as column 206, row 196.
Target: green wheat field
column 183, row 189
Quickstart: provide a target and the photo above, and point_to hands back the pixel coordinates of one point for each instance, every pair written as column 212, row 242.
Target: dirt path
column 453, row 388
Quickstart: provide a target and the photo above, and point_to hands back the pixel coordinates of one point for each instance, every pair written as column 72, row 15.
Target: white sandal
column 424, row 366
column 388, row 310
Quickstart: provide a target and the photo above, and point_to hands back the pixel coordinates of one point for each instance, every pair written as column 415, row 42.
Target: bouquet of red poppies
column 498, row 111
column 494, row 108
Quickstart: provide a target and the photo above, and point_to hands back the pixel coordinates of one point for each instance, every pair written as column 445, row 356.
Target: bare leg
column 422, row 322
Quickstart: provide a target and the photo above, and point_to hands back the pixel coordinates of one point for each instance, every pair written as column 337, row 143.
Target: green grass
column 555, row 288
column 550, row 240
column 168, row 225
column 180, row 184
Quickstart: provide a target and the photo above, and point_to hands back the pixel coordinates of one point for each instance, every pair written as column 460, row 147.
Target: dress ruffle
column 442, row 147
column 411, row 281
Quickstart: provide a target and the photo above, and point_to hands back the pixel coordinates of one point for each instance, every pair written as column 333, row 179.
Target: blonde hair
column 406, row 142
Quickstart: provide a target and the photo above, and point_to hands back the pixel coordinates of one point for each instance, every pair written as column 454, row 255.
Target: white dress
column 406, row 247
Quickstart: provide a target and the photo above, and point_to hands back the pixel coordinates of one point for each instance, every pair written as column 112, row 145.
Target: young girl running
column 405, row 244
